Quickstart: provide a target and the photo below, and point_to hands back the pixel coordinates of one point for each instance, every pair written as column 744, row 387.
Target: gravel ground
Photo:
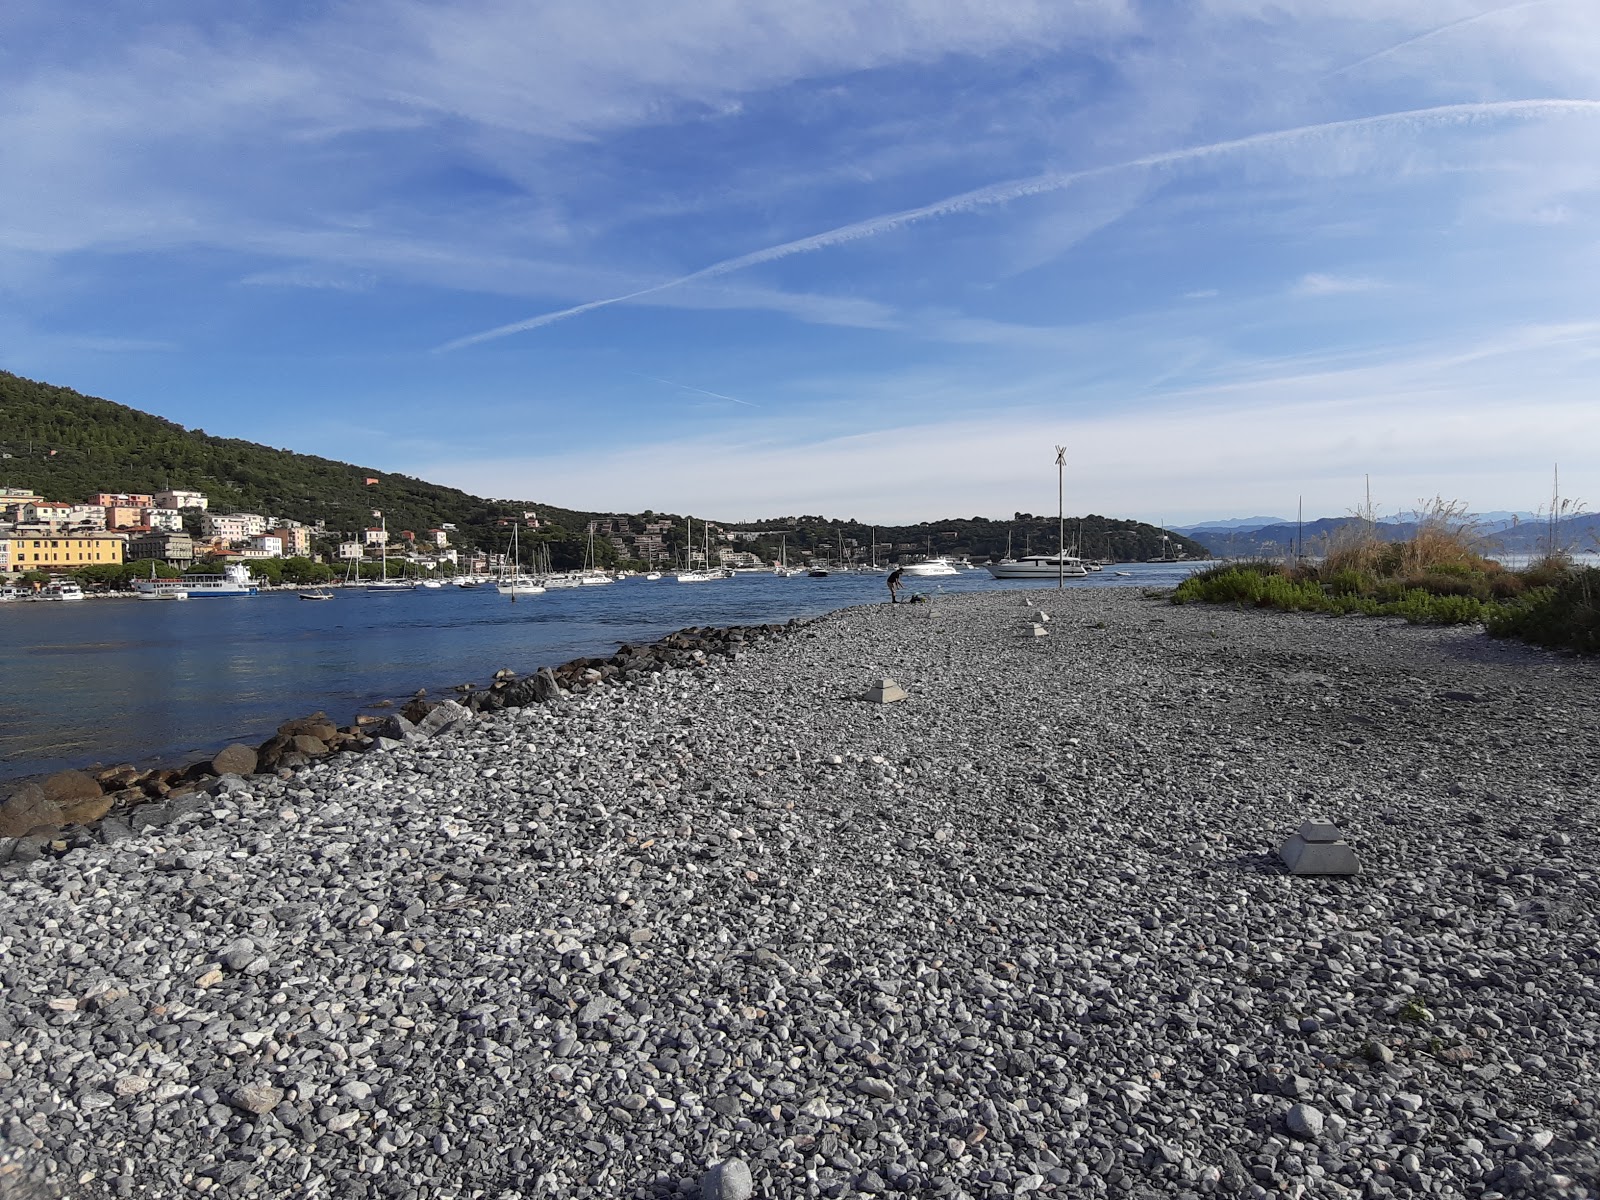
column 1024, row 932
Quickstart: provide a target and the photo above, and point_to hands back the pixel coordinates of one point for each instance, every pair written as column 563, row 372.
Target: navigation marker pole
column 1061, row 518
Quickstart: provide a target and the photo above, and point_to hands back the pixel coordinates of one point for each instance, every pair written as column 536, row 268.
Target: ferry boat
column 234, row 581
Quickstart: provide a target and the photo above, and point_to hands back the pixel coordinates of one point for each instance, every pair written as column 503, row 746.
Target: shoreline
column 1023, row 932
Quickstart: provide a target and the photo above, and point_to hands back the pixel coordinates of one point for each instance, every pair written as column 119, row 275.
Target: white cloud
column 1320, row 284
column 1480, row 421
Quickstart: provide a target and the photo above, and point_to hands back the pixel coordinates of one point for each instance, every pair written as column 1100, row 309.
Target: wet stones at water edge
column 74, row 808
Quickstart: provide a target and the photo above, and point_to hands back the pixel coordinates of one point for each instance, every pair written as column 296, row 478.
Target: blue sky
column 865, row 259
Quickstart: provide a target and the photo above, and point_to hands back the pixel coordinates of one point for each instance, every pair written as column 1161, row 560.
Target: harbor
column 111, row 682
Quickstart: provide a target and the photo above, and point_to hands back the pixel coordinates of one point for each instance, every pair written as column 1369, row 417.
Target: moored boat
column 233, row 581
column 928, row 567
column 1040, row 566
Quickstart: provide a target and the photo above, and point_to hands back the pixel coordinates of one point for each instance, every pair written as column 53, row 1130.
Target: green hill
column 67, row 446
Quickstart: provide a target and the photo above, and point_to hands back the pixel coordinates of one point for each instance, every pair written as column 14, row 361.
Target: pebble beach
column 730, row 930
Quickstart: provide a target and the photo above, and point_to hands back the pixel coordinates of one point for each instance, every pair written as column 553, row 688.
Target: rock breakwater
column 71, row 809
column 1023, row 932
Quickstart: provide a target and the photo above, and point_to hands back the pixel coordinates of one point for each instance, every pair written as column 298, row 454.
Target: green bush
column 1563, row 616
column 1349, row 582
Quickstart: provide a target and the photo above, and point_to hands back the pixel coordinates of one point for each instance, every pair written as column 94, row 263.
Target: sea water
column 120, row 680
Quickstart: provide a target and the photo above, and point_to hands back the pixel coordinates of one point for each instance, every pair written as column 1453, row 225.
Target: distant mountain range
column 1499, row 532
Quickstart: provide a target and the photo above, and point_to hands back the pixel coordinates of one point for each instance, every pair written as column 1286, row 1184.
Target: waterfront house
column 296, row 540
column 161, row 545
column 122, row 500
column 62, row 552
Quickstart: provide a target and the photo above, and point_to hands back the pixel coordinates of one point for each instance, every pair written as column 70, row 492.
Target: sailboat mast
column 1061, row 517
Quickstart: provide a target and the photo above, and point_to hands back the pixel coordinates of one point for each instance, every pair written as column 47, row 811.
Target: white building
column 179, row 499
column 376, row 537
column 269, row 544
column 169, row 520
column 349, row 550
column 236, row 527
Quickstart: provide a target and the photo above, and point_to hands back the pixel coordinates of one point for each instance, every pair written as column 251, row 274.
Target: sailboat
column 385, row 584
column 591, row 574
column 783, row 568
column 707, row 575
column 517, row 584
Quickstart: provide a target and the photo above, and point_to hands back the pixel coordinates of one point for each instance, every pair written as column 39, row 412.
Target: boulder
column 271, row 750
column 393, row 727
column 415, row 709
column 443, row 717
column 28, row 808
column 235, row 760
column 728, row 1180
column 84, row 812
column 65, row 787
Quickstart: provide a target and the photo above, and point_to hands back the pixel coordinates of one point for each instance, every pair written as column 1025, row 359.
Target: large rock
column 443, row 717
column 317, row 725
column 309, row 744
column 84, row 812
column 394, row 727
column 66, row 787
column 728, row 1180
column 235, row 760
column 28, row 808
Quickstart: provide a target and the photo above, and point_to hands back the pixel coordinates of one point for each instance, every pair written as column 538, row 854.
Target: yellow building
column 18, row 554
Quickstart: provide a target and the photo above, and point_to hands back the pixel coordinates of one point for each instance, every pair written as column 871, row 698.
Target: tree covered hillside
column 67, row 446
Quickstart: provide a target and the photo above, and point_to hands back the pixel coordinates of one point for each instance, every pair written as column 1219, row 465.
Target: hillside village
column 175, row 529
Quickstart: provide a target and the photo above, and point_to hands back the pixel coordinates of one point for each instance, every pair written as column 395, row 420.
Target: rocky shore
column 729, row 928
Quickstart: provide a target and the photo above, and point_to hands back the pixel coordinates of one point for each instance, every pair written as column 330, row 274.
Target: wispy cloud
column 1319, row 284
column 1439, row 30
column 1013, row 190
column 689, row 387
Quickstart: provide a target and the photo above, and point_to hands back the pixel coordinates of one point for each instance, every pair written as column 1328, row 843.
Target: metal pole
column 1061, row 518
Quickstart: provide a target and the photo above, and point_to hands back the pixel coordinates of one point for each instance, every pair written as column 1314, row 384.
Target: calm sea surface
column 133, row 681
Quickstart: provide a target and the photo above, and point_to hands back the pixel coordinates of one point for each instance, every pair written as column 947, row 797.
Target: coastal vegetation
column 1438, row 577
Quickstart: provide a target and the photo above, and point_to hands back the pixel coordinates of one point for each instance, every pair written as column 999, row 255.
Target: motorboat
column 1040, row 566
column 653, row 575
column 62, row 589
column 431, row 583
column 928, row 567
column 15, row 593
column 317, row 594
column 817, row 573
column 233, row 581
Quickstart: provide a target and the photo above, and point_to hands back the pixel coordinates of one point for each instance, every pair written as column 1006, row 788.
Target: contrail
column 1054, row 181
column 689, row 387
column 1433, row 33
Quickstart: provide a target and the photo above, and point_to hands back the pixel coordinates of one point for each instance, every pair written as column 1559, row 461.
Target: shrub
column 1564, row 616
column 1348, row 581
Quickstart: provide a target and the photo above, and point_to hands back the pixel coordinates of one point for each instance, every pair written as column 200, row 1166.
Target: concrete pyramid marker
column 885, row 691
column 1035, row 631
column 1041, row 617
column 1318, row 848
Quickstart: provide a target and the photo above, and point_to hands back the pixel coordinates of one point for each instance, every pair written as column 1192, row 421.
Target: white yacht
column 62, row 589
column 1040, row 566
column 929, row 566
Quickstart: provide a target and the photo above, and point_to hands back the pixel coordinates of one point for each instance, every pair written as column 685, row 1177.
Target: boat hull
column 1042, row 568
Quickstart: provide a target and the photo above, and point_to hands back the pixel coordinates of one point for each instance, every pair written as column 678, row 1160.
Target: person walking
column 895, row 585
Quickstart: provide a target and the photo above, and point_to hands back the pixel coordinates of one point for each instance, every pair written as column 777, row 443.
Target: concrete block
column 1318, row 849
column 885, row 691
column 1035, row 630
column 1041, row 617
